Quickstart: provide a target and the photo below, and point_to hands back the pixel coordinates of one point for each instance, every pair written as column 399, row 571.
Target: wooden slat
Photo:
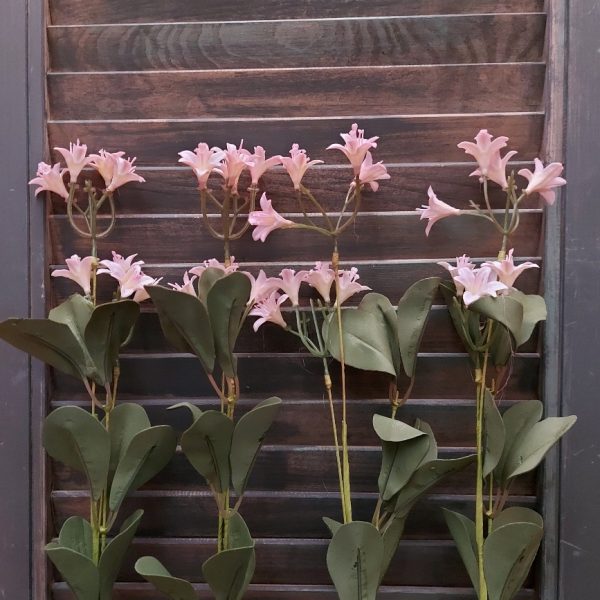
column 268, row 44
column 183, row 239
column 116, row 11
column 404, row 139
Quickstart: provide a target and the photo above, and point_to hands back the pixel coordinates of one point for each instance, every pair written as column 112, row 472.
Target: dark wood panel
column 409, row 139
column 177, row 514
column 268, row 44
column 116, row 11
column 183, row 239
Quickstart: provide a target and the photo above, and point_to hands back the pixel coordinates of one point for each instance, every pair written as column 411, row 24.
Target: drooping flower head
column 123, row 172
column 259, row 164
column 269, row 310
column 236, row 159
column 262, row 286
column 76, row 159
column 349, row 284
column 105, row 163
column 297, row 164
column 355, row 147
column 187, row 287
column 50, row 178
column 78, row 270
column 290, row 283
column 321, row 278
column 462, row 262
column 436, row 210
column 371, row 173
column 203, row 161
column 543, row 180
column 478, row 283
column 266, row 220
column 506, row 271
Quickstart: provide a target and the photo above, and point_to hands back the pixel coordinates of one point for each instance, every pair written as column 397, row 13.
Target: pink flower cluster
column 113, row 167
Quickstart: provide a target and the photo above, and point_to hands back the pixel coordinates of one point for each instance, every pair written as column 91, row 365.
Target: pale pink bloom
column 127, row 272
column 213, row 263
column 76, row 158
column 370, row 173
column 234, row 163
column 269, row 310
column 543, row 180
column 79, row 270
column 290, row 283
column 436, row 210
column 266, row 220
column 145, row 281
column 462, row 262
column 478, row 283
column 506, row 271
column 321, row 278
column 297, row 164
column 349, row 285
column 262, row 286
column 203, row 160
column 50, row 179
column 486, row 152
column 260, row 164
column 119, row 266
column 105, row 163
column 123, row 172
column 188, row 285
column 356, row 146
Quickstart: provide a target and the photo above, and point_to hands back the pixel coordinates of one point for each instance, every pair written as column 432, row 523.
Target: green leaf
column 413, row 311
column 208, row 278
column 501, row 346
column 247, row 440
column 432, row 452
column 75, row 312
column 391, row 539
column 509, row 552
column 78, row 570
column 502, row 309
column 390, row 430
column 153, row 571
column 458, row 315
column 463, row 532
column 51, row 342
column 185, row 323
column 114, row 553
column 126, row 420
column 534, row 311
column 239, row 534
column 494, row 434
column 207, row 444
column 226, row 303
column 332, row 525
column 354, row 560
column 148, row 453
column 196, row 412
column 110, row 326
column 76, row 534
column 77, row 439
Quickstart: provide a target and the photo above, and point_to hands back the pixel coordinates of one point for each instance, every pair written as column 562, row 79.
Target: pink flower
column 105, row 162
column 269, row 309
column 127, row 272
column 349, row 285
column 436, row 210
column 321, row 278
column 506, row 271
column 370, row 173
column 462, row 262
column 203, row 160
column 235, row 161
column 543, row 180
column 118, row 266
column 356, row 146
column 262, row 286
column 213, row 263
column 124, row 172
column 478, row 283
column 266, row 220
column 50, row 179
column 290, row 283
column 487, row 154
column 76, row 158
column 188, row 285
column 260, row 164
column 78, row 270
column 297, row 165
column 141, row 293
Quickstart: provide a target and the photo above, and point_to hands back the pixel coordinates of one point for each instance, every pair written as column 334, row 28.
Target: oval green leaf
column 155, row 573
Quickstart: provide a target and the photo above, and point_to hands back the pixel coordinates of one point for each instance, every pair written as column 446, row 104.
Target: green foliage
column 462, row 530
column 155, row 573
column 494, row 434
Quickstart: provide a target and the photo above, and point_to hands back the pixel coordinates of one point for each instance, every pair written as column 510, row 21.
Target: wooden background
column 153, row 77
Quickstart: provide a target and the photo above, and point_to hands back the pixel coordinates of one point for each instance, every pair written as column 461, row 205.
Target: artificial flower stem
column 318, row 205
column 320, row 230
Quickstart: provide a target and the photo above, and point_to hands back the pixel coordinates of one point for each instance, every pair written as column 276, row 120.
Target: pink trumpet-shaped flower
column 262, row 286
column 76, row 159
column 188, row 285
column 321, row 278
column 105, row 162
column 269, row 310
column 144, row 281
column 118, row 266
column 355, row 147
column 78, row 270
column 123, row 172
column 128, row 273
column 543, row 180
column 486, row 152
column 260, row 164
column 349, row 284
column 203, row 161
column 462, row 262
column 290, row 283
column 436, row 210
column 266, row 220
column 297, row 164
column 370, row 173
column 506, row 271
column 213, row 263
column 234, row 162
column 478, row 283
column 50, row 178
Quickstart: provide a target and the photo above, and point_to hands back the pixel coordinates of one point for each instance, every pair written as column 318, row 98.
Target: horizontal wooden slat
column 404, row 139
column 183, row 239
column 297, row 92
column 116, row 11
column 268, row 44
column 176, row 514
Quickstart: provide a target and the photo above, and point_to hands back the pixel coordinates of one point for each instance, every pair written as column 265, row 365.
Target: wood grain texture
column 116, row 11
column 404, row 139
column 323, row 43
